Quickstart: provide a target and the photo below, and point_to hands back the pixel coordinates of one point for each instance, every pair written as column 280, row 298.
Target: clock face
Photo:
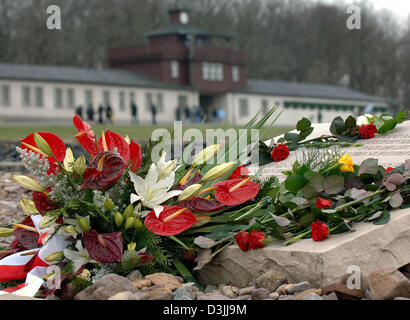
column 183, row 17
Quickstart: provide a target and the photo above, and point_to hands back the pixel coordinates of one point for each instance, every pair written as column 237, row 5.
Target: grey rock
column 209, row 288
column 246, row 291
column 187, row 292
column 244, row 297
column 389, row 283
column 180, row 279
column 106, row 287
column 270, row 280
column 331, row 296
column 260, row 294
column 126, row 295
column 214, row 297
column 287, row 297
column 274, row 295
column 228, row 291
column 313, row 296
column 135, row 275
column 299, row 287
column 158, row 292
column 52, row 297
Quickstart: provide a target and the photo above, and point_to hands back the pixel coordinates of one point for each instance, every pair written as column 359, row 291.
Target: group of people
column 196, row 115
column 105, row 114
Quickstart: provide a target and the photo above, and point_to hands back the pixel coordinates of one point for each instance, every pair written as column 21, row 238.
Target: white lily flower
column 165, row 168
column 151, row 191
column 79, row 258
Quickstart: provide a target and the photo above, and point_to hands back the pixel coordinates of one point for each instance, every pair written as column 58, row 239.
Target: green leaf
column 387, row 126
column 295, row 183
column 334, row 184
column 179, row 242
column 396, row 200
column 308, row 192
column 378, row 122
column 337, row 126
column 400, row 117
column 291, row 136
column 304, row 134
column 303, row 124
column 184, row 272
column 350, row 122
column 385, row 218
column 317, row 182
column 369, row 166
column 344, row 138
column 307, row 219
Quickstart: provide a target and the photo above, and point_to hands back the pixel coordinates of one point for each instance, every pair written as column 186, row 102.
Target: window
column 39, row 97
column 58, row 98
column 26, row 96
column 106, row 98
column 5, row 95
column 174, row 69
column 235, row 73
column 212, row 71
column 243, row 107
column 148, row 101
column 160, row 105
column 88, row 97
column 122, row 101
column 264, row 106
column 132, row 97
column 70, row 98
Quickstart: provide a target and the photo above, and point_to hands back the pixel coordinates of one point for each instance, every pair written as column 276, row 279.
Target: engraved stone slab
column 370, row 247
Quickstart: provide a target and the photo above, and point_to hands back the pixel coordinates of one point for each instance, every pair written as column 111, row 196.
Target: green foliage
column 79, row 283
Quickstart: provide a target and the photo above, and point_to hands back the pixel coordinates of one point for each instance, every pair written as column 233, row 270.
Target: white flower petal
column 158, row 210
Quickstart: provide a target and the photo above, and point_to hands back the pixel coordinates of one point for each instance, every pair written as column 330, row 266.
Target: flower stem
column 352, row 203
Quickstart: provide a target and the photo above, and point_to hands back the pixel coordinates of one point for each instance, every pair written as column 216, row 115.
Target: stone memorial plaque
column 370, row 247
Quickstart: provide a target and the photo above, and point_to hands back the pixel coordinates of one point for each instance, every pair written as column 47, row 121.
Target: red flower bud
column 389, row 169
column 323, row 203
column 368, row 131
column 243, row 240
column 257, row 240
column 320, row 231
column 279, row 153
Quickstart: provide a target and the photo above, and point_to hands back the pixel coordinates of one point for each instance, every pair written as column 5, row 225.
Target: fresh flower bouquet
column 115, row 210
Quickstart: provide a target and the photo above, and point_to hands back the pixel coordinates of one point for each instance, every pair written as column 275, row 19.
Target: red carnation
column 243, row 240
column 240, row 172
column 368, row 131
column 323, row 203
column 257, row 240
column 320, row 231
column 389, row 169
column 279, row 153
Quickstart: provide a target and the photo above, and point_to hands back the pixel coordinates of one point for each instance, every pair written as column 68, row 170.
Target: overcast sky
column 399, row 7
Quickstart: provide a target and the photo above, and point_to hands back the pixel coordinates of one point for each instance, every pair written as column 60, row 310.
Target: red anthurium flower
column 368, row 131
column 85, row 135
column 243, row 240
column 194, row 180
column 201, row 205
column 27, row 238
column 110, row 141
column 105, row 170
column 135, row 156
column 257, row 240
column 57, row 147
column 235, row 191
column 389, row 169
column 240, row 172
column 171, row 221
column 145, row 257
column 279, row 153
column 104, row 248
column 323, row 203
column 320, row 231
column 43, row 203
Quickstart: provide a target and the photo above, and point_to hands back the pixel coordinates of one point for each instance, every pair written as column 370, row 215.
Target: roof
column 182, row 29
column 81, row 75
column 300, row 89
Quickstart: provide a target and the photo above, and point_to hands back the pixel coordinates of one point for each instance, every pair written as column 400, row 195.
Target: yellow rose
column 346, row 163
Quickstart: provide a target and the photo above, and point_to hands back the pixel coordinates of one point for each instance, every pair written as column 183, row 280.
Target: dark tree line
column 294, row 40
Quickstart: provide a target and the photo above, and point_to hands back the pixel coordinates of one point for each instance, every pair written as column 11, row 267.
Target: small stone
column 274, row 296
column 303, row 294
column 331, row 296
column 235, row 290
column 260, row 294
column 186, row 292
column 312, row 296
column 287, row 297
column 270, row 280
column 135, row 275
column 244, row 297
column 180, row 279
column 126, row 295
column 164, row 278
column 210, row 288
column 246, row 291
column 227, row 291
column 283, row 289
column 298, row 287
column 139, row 284
column 158, row 292
column 213, row 297
column 388, row 283
column 343, row 292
